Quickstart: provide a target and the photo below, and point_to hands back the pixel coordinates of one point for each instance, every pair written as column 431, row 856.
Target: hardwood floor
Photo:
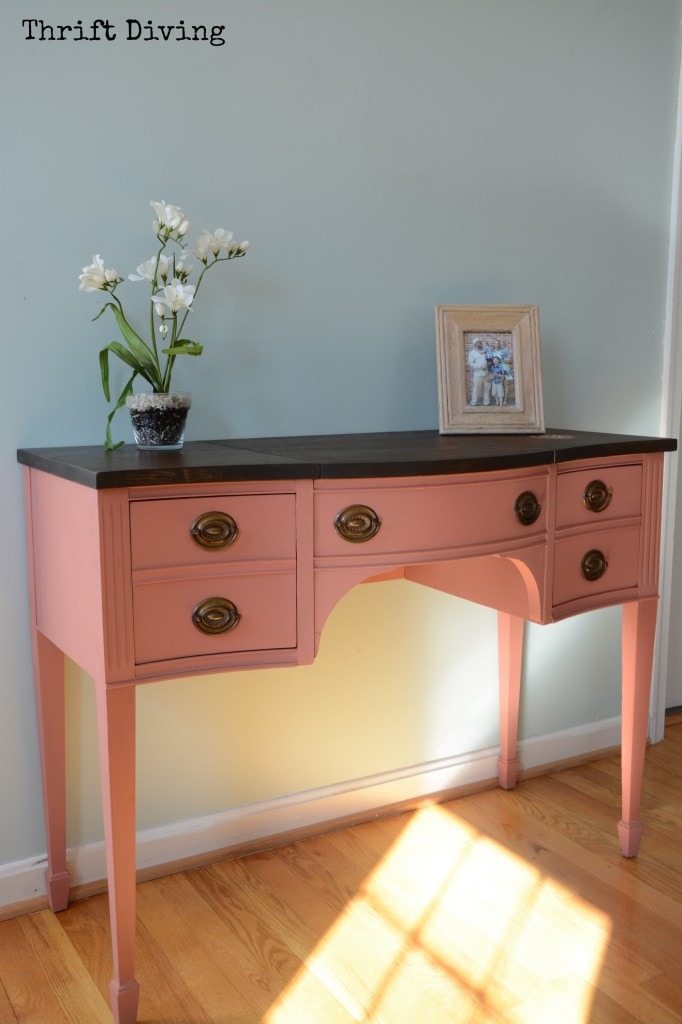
column 503, row 908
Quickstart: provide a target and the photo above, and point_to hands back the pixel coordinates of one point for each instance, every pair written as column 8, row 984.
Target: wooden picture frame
column 489, row 374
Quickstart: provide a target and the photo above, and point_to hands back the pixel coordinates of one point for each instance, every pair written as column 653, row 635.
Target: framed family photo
column 489, row 375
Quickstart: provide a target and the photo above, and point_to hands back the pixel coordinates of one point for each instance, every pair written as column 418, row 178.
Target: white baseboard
column 23, row 881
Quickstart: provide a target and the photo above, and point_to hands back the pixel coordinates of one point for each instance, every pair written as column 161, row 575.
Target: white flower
column 147, row 270
column 202, row 247
column 183, row 270
column 174, row 297
column 96, row 278
column 212, row 242
column 170, row 220
column 236, row 248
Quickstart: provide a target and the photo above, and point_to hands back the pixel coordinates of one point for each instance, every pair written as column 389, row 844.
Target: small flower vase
column 159, row 420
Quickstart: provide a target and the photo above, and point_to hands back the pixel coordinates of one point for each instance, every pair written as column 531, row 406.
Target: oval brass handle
column 357, row 523
column 593, row 565
column 215, row 616
column 213, row 530
column 527, row 508
column 597, row 496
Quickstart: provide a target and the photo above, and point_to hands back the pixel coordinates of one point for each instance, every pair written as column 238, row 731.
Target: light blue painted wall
column 382, row 156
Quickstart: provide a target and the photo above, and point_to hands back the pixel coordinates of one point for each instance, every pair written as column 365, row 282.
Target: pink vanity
column 231, row 554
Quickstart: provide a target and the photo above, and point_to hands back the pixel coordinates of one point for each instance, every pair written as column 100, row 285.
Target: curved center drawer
column 428, row 517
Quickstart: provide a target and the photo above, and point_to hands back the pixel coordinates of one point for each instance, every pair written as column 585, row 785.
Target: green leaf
column 184, row 347
column 127, row 390
column 104, row 371
column 145, row 358
column 125, row 356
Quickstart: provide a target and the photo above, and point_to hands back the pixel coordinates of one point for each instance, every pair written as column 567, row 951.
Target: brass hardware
column 214, row 530
column 527, row 508
column 215, row 616
column 597, row 496
column 593, row 565
column 357, row 523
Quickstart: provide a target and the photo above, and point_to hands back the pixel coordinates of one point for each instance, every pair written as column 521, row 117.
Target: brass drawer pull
column 527, row 508
column 214, row 531
column 593, row 565
column 357, row 523
column 215, row 616
column 597, row 496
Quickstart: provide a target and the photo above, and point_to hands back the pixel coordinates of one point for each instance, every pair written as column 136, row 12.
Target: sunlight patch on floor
column 451, row 927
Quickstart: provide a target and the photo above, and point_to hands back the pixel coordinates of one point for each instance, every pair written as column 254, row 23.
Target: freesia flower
column 175, row 296
column 211, row 242
column 96, row 279
column 150, row 269
column 170, row 220
column 182, row 270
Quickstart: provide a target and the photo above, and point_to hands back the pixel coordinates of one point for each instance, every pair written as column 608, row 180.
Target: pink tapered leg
column 48, row 673
column 116, row 727
column 510, row 655
column 638, row 635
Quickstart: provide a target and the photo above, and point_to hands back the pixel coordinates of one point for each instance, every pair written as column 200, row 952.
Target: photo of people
column 489, row 368
column 489, row 376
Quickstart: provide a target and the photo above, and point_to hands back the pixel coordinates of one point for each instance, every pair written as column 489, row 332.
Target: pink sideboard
column 232, row 554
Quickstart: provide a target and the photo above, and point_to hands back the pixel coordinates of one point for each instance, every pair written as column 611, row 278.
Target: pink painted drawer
column 163, row 615
column 581, row 495
column 162, row 531
column 619, row 548
column 431, row 518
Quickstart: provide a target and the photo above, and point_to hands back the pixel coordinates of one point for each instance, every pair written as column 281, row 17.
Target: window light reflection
column 451, row 927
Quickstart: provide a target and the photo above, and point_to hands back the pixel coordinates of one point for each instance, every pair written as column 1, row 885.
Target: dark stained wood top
column 403, row 453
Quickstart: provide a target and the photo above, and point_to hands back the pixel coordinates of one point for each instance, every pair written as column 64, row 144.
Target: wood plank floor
column 503, row 908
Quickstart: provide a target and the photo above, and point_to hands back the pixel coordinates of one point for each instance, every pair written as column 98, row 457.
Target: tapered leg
column 48, row 673
column 510, row 656
column 639, row 631
column 116, row 727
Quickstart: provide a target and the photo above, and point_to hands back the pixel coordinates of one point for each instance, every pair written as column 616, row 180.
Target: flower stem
column 155, row 285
